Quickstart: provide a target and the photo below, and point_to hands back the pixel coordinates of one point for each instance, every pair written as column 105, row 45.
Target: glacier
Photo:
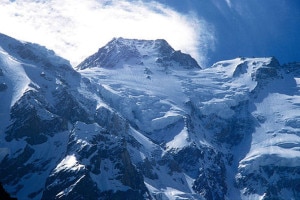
column 139, row 120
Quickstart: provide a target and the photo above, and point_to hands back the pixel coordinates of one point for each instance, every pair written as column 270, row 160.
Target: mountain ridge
column 138, row 50
column 127, row 125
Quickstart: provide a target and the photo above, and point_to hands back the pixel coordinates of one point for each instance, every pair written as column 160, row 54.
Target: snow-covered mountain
column 139, row 120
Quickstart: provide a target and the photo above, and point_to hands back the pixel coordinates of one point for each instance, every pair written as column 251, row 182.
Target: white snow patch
column 146, row 142
column 180, row 140
column 172, row 193
column 66, row 191
column 69, row 163
column 168, row 118
column 17, row 77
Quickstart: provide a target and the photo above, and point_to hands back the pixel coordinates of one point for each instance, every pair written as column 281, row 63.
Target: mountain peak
column 158, row 44
column 120, row 51
column 31, row 52
column 157, row 129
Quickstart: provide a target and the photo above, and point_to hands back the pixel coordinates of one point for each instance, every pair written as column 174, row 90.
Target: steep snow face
column 33, row 78
column 273, row 158
column 12, row 87
column 33, row 133
column 27, row 67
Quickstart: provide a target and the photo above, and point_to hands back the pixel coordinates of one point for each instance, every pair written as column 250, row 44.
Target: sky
column 76, row 29
column 209, row 30
column 249, row 28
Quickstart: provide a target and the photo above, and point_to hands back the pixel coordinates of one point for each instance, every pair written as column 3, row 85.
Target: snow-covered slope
column 218, row 107
column 139, row 120
column 37, row 104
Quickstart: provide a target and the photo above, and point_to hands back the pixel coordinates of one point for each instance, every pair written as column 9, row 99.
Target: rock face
column 4, row 194
column 139, row 120
column 120, row 51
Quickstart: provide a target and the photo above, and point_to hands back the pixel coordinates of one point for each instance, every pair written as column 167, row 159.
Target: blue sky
column 209, row 30
column 249, row 28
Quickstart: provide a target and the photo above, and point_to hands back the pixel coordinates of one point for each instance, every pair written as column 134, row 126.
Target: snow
column 276, row 135
column 146, row 142
column 170, row 184
column 66, row 191
column 115, row 85
column 85, row 132
column 24, row 74
column 164, row 109
column 180, row 140
column 168, row 118
column 275, row 140
column 172, row 193
column 12, row 148
column 106, row 180
column 69, row 163
column 255, row 196
column 43, row 160
column 221, row 109
column 18, row 80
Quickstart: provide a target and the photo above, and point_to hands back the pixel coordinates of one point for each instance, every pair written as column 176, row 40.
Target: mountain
column 122, row 51
column 139, row 120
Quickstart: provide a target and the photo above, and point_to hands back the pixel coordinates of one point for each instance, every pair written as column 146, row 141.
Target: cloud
column 76, row 29
column 228, row 3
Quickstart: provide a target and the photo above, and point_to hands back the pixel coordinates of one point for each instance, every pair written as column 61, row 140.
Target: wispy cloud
column 75, row 29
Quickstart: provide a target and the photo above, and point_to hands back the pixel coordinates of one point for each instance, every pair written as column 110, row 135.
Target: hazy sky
column 76, row 29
